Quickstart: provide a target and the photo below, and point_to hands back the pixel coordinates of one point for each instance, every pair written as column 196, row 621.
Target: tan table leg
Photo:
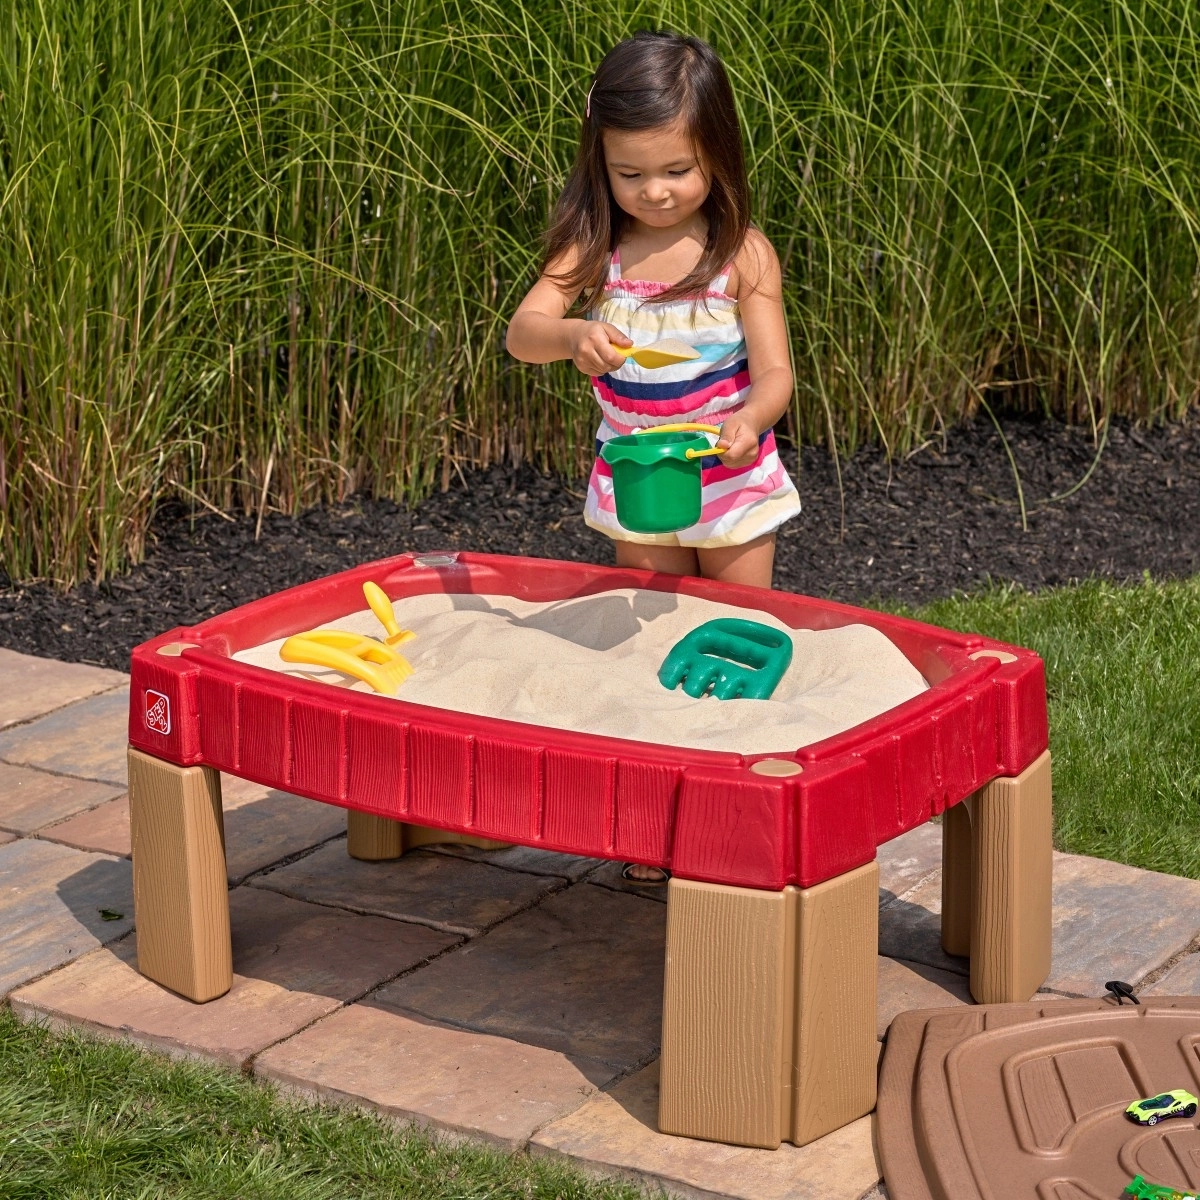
column 956, row 879
column 769, row 1010
column 180, row 893
column 996, row 879
column 373, row 838
column 1011, row 867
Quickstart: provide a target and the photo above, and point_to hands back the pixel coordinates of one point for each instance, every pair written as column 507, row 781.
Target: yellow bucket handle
column 688, row 427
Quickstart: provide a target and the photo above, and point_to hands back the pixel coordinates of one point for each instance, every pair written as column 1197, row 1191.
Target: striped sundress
column 738, row 504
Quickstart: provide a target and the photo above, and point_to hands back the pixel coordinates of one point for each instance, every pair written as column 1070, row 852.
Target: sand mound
column 590, row 664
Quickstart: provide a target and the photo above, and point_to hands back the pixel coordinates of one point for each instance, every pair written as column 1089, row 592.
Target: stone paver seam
column 464, row 1027
column 21, row 722
column 437, row 926
column 64, row 775
column 898, row 896
column 248, row 1064
column 466, row 935
column 440, row 926
column 286, row 860
column 12, row 762
column 409, row 970
column 433, row 956
column 1062, row 994
column 247, row 1069
column 912, row 964
column 644, row 1061
column 1150, row 978
column 297, row 1092
column 447, row 853
column 116, row 687
column 563, row 885
column 1153, row 976
column 42, row 832
column 640, row 1065
column 62, row 966
column 619, row 891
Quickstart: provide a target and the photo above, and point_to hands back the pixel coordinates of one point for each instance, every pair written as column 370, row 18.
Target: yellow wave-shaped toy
column 366, row 658
column 352, row 654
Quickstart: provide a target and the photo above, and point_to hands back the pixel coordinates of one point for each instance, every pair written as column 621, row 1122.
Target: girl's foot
column 646, row 876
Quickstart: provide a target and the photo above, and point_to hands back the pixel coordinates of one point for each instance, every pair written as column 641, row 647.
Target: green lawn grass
column 80, row 1118
column 87, row 1120
column 1121, row 672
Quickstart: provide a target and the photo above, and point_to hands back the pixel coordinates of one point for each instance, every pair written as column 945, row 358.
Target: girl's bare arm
column 541, row 332
column 760, row 299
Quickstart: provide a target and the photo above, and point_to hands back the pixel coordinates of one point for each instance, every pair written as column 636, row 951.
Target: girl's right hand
column 592, row 347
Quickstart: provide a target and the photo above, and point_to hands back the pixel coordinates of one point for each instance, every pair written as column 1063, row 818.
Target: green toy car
column 1139, row 1189
column 1157, row 1108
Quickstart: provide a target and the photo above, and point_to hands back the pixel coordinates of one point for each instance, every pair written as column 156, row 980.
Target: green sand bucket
column 656, row 476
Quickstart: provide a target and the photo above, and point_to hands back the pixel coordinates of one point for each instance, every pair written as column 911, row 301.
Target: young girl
column 652, row 237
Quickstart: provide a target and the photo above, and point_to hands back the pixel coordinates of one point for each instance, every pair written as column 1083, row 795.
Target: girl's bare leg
column 669, row 560
column 751, row 563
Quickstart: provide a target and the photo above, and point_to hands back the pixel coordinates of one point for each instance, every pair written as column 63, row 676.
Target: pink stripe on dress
column 714, row 509
column 684, row 404
column 649, row 288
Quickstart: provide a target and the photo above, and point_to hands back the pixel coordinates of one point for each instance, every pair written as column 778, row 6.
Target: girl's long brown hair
column 645, row 82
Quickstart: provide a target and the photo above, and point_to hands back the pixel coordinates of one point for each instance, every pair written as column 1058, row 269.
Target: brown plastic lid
column 1027, row 1101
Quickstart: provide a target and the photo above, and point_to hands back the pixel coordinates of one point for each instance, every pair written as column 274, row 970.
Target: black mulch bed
column 945, row 519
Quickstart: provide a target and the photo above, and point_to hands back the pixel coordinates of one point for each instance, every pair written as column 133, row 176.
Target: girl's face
column 655, row 175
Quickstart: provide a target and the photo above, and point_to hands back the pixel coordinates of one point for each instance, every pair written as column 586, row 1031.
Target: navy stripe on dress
column 629, row 390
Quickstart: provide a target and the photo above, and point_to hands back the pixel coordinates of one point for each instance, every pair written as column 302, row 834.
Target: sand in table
column 590, row 664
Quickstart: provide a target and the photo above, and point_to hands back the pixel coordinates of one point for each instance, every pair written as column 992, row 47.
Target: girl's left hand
column 741, row 436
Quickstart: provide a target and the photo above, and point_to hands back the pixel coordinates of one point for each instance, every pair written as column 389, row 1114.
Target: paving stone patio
column 513, row 996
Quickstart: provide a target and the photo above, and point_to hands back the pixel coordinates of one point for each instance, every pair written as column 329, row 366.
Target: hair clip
column 587, row 106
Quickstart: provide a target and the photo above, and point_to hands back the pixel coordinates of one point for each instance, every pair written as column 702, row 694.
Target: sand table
column 590, row 665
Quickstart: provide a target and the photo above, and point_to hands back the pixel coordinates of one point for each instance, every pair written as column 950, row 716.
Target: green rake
column 729, row 658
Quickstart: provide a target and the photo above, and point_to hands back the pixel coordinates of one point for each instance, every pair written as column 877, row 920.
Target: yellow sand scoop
column 664, row 353
column 352, row 654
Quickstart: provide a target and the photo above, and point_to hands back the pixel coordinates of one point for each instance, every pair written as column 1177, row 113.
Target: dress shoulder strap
column 721, row 283
column 614, row 266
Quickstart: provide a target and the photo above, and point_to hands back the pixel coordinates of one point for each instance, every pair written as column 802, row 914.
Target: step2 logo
column 158, row 712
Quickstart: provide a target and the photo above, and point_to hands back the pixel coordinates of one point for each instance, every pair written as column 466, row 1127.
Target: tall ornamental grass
column 261, row 255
